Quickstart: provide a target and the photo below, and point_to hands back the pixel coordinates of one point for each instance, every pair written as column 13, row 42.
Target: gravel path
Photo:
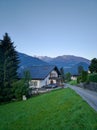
column 89, row 96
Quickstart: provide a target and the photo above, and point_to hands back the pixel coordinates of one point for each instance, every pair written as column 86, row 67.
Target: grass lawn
column 73, row 82
column 58, row 110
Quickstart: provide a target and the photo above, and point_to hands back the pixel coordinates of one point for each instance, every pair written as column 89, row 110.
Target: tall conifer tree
column 8, row 64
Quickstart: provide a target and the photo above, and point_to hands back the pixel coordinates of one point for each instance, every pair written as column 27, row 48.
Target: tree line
column 82, row 76
column 90, row 75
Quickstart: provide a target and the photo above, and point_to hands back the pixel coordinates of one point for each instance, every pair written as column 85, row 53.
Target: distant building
column 43, row 75
column 74, row 77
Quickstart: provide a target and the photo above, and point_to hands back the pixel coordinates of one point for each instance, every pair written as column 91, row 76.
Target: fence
column 91, row 86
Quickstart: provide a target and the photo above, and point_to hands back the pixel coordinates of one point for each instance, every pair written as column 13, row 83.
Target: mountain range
column 70, row 63
column 28, row 61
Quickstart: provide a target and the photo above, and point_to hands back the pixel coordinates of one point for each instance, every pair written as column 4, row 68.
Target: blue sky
column 51, row 27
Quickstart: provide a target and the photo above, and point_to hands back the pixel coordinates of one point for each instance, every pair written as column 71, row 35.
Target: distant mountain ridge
column 70, row 63
column 28, row 61
column 74, row 69
column 65, row 60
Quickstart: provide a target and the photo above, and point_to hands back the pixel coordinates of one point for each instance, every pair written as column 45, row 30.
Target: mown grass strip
column 58, row 110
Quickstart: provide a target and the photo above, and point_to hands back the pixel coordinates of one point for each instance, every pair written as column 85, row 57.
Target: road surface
column 89, row 96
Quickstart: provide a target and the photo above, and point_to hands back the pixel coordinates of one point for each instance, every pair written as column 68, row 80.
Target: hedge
column 92, row 77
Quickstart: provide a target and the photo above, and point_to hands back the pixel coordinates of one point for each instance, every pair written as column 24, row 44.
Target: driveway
column 89, row 96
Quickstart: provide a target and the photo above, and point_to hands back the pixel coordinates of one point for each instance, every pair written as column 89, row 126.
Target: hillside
column 74, row 69
column 58, row 110
column 70, row 63
column 28, row 61
column 65, row 60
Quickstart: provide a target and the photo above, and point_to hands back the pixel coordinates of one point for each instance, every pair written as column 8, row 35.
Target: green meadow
column 57, row 110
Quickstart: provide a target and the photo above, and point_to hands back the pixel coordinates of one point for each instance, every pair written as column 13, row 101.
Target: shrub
column 20, row 88
column 84, row 76
column 78, row 79
column 92, row 77
column 68, row 77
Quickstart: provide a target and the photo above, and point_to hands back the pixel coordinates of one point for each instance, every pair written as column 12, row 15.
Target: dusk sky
column 51, row 27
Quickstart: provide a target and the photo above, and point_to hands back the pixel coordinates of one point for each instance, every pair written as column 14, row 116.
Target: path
column 89, row 96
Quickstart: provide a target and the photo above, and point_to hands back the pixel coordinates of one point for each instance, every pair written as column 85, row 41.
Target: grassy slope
column 73, row 82
column 59, row 110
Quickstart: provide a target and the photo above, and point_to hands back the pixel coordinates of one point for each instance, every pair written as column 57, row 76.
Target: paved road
column 89, row 96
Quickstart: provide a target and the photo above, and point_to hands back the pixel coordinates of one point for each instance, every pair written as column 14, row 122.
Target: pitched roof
column 39, row 72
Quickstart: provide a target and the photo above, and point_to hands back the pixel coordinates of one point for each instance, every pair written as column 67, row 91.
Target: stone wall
column 91, row 86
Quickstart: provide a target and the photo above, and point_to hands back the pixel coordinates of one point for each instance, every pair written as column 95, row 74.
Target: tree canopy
column 80, row 69
column 68, row 76
column 93, row 66
column 62, row 74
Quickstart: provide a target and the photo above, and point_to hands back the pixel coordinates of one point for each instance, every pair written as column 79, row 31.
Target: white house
column 43, row 75
column 74, row 77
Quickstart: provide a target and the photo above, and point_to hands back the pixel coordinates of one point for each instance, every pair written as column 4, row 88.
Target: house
column 74, row 77
column 43, row 75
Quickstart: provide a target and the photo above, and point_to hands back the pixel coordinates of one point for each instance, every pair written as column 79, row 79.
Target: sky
column 51, row 27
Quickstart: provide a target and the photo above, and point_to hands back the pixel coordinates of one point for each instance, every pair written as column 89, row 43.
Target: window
column 53, row 74
column 33, row 83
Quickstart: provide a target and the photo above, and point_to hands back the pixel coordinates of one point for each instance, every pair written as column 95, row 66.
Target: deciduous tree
column 80, row 69
column 68, row 76
column 62, row 74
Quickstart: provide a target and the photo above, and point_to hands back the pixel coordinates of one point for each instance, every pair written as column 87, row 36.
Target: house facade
column 51, row 78
column 43, row 75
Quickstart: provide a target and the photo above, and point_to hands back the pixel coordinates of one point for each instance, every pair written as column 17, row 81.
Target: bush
column 92, row 78
column 84, row 76
column 78, row 79
column 20, row 88
column 68, row 77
